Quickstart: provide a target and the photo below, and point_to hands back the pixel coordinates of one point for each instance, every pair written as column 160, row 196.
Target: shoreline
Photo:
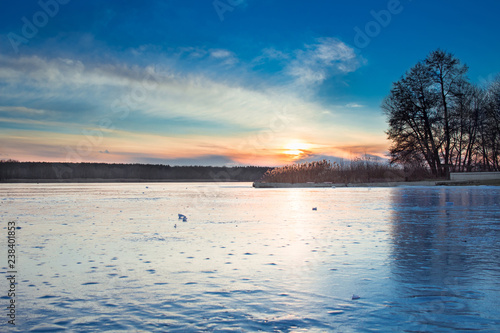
column 491, row 182
column 119, row 180
column 494, row 182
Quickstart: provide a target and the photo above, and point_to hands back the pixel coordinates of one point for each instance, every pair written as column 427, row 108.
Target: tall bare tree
column 466, row 121
column 491, row 135
column 421, row 110
column 447, row 75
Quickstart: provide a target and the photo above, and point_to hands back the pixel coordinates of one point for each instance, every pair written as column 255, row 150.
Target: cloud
column 153, row 91
column 270, row 54
column 91, row 91
column 342, row 159
column 22, row 110
column 354, row 105
column 319, row 157
column 201, row 160
column 219, row 53
column 317, row 62
column 225, row 56
column 207, row 56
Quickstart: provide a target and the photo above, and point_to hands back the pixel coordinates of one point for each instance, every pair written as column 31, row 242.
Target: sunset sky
column 225, row 82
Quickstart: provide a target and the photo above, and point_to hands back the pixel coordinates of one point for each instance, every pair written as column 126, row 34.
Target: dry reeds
column 356, row 171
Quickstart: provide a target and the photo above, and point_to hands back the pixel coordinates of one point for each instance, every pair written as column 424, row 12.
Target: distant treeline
column 32, row 171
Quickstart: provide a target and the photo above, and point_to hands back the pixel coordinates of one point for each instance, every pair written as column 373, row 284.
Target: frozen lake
column 107, row 257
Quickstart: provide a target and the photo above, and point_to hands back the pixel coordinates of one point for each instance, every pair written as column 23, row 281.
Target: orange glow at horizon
column 131, row 147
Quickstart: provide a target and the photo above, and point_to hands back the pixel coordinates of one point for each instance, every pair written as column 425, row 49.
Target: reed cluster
column 355, row 171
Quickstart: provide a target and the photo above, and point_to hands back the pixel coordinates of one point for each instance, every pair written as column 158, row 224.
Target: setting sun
column 296, row 149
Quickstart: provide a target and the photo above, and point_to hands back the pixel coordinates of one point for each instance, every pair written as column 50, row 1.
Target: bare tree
column 447, row 75
column 466, row 122
column 429, row 114
column 413, row 120
column 491, row 135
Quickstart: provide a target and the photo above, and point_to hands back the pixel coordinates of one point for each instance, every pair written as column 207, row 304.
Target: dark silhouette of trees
column 33, row 171
column 437, row 118
column 490, row 136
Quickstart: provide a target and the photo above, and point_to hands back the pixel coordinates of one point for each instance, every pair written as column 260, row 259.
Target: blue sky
column 222, row 82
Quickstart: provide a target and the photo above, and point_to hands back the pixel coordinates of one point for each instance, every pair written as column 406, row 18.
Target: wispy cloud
column 270, row 54
column 21, row 110
column 222, row 56
column 326, row 57
column 200, row 160
column 226, row 56
column 154, row 91
column 354, row 105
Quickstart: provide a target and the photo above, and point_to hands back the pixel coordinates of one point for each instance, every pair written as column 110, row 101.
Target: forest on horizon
column 63, row 172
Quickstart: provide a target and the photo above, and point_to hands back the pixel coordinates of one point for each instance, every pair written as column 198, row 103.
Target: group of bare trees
column 438, row 119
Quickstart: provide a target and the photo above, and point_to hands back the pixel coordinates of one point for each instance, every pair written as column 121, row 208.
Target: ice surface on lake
column 97, row 257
